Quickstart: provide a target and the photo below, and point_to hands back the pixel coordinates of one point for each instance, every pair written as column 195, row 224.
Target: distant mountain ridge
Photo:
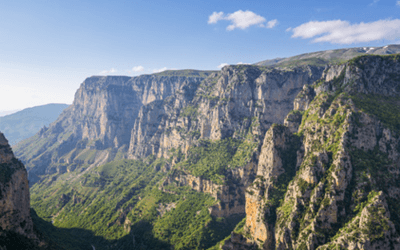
column 176, row 159
column 8, row 112
column 322, row 58
column 27, row 122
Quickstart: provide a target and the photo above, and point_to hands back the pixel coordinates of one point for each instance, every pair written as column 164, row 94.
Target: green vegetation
column 378, row 224
column 126, row 201
column 189, row 111
column 87, row 155
column 186, row 73
column 67, row 238
column 110, row 187
column 108, row 205
column 239, row 229
column 286, row 209
column 314, row 61
column 360, row 61
column 386, row 109
column 210, row 160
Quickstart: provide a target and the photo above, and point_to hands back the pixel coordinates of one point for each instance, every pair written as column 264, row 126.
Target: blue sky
column 47, row 48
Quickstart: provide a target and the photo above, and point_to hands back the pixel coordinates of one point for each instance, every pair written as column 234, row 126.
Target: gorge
column 300, row 154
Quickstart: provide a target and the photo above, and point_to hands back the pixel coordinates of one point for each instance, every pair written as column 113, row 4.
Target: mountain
column 227, row 112
column 26, row 123
column 329, row 177
column 96, row 128
column 323, row 58
column 16, row 226
column 4, row 113
column 250, row 156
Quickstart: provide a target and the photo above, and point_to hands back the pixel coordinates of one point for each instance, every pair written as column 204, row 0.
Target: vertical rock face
column 343, row 191
column 14, row 194
column 276, row 166
column 99, row 122
column 116, row 116
column 226, row 104
column 230, row 198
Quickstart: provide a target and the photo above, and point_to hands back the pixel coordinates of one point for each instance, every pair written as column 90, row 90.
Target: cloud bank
column 105, row 72
column 138, row 69
column 222, row 65
column 159, row 70
column 342, row 32
column 241, row 20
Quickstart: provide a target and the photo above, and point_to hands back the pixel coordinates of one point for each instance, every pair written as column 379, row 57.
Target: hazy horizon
column 49, row 48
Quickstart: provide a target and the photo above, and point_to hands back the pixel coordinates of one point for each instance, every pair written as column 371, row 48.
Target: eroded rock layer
column 15, row 218
column 329, row 179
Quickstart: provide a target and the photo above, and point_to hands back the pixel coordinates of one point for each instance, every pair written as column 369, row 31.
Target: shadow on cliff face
column 140, row 238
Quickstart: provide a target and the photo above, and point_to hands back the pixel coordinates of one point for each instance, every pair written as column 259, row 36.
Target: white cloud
column 105, row 72
column 342, row 32
column 138, row 69
column 272, row 23
column 215, row 17
column 244, row 19
column 222, row 65
column 398, row 3
column 159, row 70
column 239, row 63
column 241, row 19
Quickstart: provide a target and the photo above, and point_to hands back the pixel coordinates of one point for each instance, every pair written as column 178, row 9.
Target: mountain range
column 295, row 153
column 27, row 122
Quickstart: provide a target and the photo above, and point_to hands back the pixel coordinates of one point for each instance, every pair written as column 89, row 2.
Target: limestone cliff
column 339, row 187
column 15, row 219
column 226, row 104
column 115, row 117
column 326, row 178
column 96, row 128
column 230, row 197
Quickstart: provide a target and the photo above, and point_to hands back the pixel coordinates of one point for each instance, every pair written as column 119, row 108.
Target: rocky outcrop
column 276, row 166
column 238, row 242
column 331, row 56
column 14, row 197
column 332, row 166
column 99, row 122
column 343, row 192
column 369, row 229
column 226, row 104
column 230, row 197
column 115, row 117
column 345, row 185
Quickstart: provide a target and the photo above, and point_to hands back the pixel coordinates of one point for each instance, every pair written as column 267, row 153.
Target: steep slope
column 16, row 226
column 118, row 117
column 226, row 104
column 14, row 193
column 335, row 183
column 122, row 205
column 322, row 58
column 206, row 154
column 127, row 199
column 96, row 127
column 26, row 123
